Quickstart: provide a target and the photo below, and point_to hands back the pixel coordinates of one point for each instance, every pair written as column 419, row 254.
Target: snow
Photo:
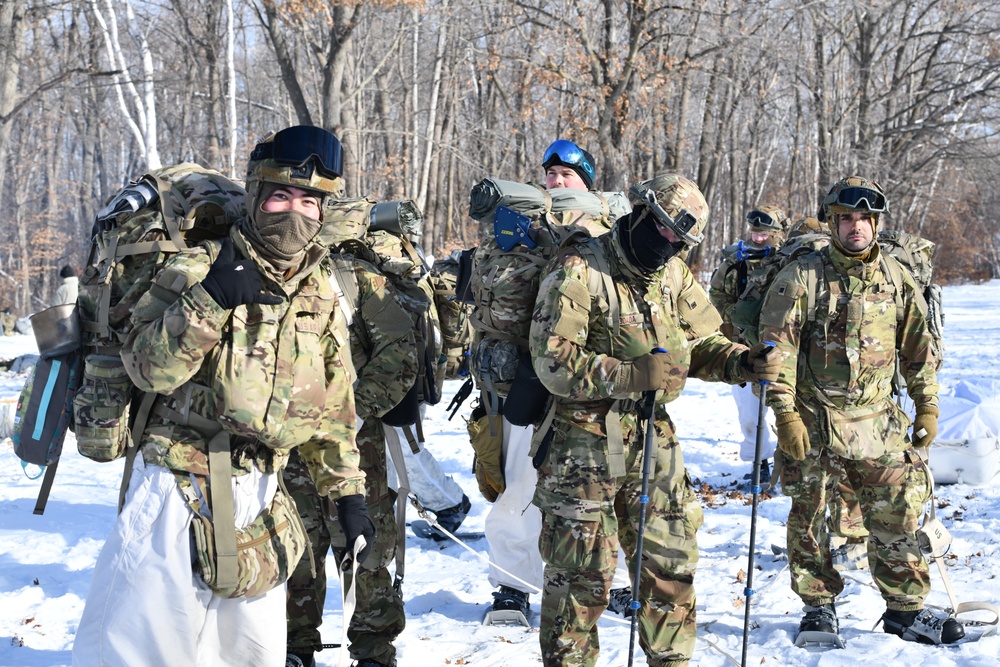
column 46, row 561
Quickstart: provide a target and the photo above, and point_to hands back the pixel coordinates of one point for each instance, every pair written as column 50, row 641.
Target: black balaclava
column 644, row 248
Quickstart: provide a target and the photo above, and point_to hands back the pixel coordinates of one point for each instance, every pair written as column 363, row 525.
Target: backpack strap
column 344, row 282
column 893, row 272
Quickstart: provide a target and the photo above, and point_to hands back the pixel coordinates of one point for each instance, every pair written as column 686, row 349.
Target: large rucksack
column 386, row 245
column 529, row 225
column 454, row 313
column 162, row 213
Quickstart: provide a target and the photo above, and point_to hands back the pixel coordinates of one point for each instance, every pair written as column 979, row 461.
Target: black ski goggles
column 764, row 220
column 859, row 197
column 681, row 224
column 563, row 151
column 294, row 146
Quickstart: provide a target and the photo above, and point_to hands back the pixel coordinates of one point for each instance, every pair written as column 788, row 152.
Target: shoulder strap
column 344, row 282
column 599, row 280
column 893, row 272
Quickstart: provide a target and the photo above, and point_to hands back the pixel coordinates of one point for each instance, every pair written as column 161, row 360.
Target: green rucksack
column 454, row 313
column 137, row 230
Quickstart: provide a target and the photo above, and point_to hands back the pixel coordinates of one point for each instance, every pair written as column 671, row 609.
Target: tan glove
column 793, row 439
column 761, row 363
column 925, row 425
column 649, row 372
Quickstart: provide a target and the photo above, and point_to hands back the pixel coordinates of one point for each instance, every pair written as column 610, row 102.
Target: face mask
column 283, row 234
column 645, row 249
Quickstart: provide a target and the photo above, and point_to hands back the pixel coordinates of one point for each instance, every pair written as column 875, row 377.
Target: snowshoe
column 819, row 626
column 923, row 626
column 620, row 601
column 510, row 607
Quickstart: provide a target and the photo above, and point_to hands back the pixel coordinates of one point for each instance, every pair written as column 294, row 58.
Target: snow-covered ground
column 46, row 561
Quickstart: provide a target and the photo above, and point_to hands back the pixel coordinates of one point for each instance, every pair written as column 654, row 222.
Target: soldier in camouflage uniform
column 835, row 414
column 592, row 350
column 244, row 342
column 385, row 356
column 767, row 231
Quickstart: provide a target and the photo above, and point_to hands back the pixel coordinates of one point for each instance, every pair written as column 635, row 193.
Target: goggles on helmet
column 294, row 146
column 563, row 151
column 858, row 197
column 757, row 218
column 681, row 225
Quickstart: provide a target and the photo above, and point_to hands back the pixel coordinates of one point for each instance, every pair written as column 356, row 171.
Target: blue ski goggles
column 858, row 197
column 565, row 152
column 294, row 146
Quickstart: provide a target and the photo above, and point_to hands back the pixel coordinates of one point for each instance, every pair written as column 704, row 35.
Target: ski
column 424, row 529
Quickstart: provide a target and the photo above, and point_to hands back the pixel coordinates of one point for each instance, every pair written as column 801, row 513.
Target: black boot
column 820, row 619
column 922, row 626
column 451, row 518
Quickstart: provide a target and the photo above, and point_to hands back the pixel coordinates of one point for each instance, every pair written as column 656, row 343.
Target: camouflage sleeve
column 915, row 345
column 560, row 328
column 389, row 368
column 782, row 316
column 174, row 325
column 331, row 454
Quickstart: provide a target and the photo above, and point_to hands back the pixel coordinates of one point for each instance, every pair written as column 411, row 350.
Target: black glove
column 761, row 364
column 233, row 283
column 355, row 522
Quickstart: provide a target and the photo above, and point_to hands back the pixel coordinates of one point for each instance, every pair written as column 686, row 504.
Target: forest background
column 759, row 102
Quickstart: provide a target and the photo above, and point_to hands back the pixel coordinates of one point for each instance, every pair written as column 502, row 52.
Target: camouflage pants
column 585, row 514
column 845, row 518
column 890, row 491
column 378, row 618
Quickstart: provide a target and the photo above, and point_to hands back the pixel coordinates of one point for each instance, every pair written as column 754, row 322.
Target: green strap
column 223, row 515
column 616, row 441
column 135, row 439
column 43, row 493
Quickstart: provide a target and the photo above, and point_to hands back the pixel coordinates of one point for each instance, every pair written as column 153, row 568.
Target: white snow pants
column 747, row 406
column 147, row 607
column 514, row 523
column 434, row 489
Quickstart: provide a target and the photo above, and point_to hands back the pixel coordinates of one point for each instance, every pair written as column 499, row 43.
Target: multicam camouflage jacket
column 839, row 363
column 583, row 353
column 274, row 377
column 383, row 347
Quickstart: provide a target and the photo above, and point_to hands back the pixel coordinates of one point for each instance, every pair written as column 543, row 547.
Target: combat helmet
column 854, row 193
column 769, row 219
column 302, row 156
column 676, row 203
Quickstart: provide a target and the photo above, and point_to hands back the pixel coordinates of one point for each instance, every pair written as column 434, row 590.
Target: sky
column 46, row 561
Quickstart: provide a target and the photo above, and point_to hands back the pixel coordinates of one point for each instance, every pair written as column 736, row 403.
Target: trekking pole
column 647, row 461
column 755, row 489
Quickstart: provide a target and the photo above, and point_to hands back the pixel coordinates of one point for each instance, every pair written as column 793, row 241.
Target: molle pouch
column 101, row 408
column 267, row 550
column 44, row 409
column 511, row 228
column 488, row 463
